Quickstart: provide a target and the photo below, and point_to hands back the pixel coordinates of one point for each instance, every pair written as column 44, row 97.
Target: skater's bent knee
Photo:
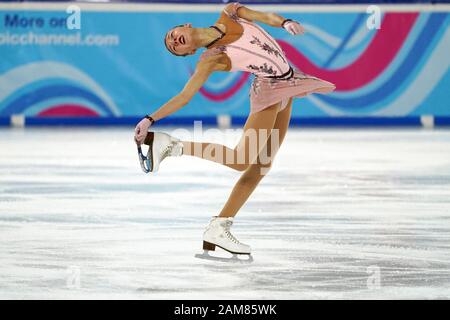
column 242, row 167
column 257, row 171
column 263, row 169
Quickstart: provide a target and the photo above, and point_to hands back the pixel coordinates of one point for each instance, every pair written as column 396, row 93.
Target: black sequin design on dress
column 266, row 47
column 264, row 68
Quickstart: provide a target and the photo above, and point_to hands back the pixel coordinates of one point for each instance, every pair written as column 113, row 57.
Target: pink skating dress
column 259, row 53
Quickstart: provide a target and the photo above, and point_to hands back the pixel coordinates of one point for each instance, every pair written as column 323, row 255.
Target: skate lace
column 166, row 151
column 229, row 234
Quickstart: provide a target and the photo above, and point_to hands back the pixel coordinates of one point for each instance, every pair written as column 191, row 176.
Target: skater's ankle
column 224, row 216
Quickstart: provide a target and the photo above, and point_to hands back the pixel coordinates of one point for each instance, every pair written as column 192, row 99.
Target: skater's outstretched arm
column 269, row 18
column 203, row 70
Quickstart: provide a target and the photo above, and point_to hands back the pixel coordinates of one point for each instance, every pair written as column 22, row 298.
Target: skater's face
column 179, row 40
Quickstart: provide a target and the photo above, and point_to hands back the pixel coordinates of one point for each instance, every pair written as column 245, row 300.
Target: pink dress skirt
column 265, row 92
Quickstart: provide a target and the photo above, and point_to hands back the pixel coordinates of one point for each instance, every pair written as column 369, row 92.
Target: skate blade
column 234, row 258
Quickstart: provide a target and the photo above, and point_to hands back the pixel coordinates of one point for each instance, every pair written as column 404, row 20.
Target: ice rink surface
column 344, row 214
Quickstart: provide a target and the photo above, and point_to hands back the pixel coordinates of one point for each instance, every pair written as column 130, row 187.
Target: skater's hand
column 293, row 27
column 140, row 132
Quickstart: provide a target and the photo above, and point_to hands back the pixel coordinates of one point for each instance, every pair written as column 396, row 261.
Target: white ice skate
column 161, row 145
column 218, row 234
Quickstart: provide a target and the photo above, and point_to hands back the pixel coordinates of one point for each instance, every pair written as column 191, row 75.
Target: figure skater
column 235, row 43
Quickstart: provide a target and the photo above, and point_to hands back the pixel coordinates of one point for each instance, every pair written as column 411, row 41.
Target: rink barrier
column 225, row 121
column 442, row 121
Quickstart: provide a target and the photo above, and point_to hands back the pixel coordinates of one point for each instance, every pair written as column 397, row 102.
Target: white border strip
column 155, row 7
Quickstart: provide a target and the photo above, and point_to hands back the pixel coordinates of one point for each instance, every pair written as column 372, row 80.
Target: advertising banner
column 111, row 62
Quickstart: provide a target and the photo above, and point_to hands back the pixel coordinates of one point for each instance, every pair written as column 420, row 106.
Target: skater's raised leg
column 256, row 131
